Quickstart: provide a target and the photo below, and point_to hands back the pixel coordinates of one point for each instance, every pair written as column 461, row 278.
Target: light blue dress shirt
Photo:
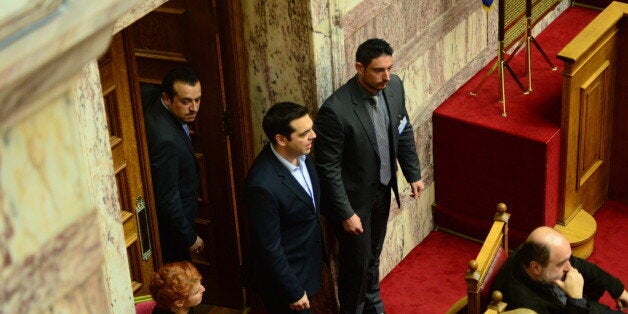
column 299, row 172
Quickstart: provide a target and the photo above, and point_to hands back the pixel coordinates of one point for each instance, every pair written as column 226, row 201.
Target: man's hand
column 417, row 188
column 572, row 285
column 353, row 225
column 198, row 246
column 302, row 304
column 622, row 301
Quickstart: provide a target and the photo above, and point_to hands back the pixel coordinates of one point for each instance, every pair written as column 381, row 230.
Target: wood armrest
column 459, row 305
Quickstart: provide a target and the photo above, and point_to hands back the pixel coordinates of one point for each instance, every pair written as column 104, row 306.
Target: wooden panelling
column 589, row 112
column 124, row 149
column 593, row 110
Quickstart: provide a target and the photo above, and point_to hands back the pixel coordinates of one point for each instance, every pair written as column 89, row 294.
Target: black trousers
column 358, row 277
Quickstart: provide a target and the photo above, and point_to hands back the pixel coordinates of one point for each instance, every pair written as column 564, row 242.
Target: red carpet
column 482, row 158
column 431, row 278
column 611, row 247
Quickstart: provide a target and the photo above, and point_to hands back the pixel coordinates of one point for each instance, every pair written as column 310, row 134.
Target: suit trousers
column 358, row 277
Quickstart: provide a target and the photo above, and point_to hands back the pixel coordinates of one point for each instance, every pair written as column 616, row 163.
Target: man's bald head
column 540, row 244
column 547, row 236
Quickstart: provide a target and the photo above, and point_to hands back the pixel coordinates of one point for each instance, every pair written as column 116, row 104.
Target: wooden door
column 138, row 221
column 186, row 33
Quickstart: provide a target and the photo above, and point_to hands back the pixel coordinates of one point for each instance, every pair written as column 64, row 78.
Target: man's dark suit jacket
column 346, row 149
column 520, row 291
column 286, row 241
column 175, row 180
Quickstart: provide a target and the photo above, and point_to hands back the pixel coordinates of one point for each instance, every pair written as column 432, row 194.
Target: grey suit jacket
column 346, row 149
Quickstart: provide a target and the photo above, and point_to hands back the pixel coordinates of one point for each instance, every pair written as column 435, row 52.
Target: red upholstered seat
column 145, row 307
column 491, row 273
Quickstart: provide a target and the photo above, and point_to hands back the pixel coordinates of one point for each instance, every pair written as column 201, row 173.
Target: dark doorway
column 206, row 36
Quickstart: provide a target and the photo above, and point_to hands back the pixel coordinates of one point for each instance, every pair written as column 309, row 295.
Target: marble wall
column 89, row 110
column 278, row 38
column 45, row 213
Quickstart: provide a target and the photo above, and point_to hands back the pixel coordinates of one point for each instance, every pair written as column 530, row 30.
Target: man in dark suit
column 542, row 275
column 172, row 162
column 363, row 129
column 282, row 196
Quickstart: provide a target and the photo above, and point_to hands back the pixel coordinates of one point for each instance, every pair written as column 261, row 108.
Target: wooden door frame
column 233, row 48
column 233, row 59
column 236, row 76
column 142, row 148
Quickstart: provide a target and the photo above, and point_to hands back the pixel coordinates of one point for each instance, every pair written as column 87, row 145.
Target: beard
column 549, row 279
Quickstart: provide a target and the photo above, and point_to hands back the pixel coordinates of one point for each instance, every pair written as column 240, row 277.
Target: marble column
column 51, row 251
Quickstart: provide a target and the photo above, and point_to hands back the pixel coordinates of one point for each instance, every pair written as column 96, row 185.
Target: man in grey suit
column 363, row 129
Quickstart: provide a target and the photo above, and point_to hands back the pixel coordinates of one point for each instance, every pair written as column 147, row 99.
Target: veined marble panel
column 86, row 298
column 320, row 11
column 41, row 180
column 94, row 139
column 36, row 283
column 278, row 37
column 324, row 62
column 48, row 229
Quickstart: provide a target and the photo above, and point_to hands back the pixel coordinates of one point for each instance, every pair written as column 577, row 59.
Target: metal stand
column 530, row 40
column 526, row 39
column 501, row 61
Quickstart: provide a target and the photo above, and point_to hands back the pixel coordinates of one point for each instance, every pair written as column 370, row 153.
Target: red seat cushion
column 485, row 290
column 145, row 307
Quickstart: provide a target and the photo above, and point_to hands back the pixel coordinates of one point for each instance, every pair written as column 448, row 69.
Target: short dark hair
column 277, row 119
column 371, row 49
column 534, row 251
column 185, row 75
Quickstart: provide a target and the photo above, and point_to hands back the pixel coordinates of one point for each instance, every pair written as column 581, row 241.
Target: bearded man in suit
column 172, row 162
column 282, row 198
column 363, row 129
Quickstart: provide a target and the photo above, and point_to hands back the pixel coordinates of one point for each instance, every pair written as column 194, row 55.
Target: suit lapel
column 290, row 182
column 394, row 115
column 178, row 128
column 363, row 115
column 314, row 178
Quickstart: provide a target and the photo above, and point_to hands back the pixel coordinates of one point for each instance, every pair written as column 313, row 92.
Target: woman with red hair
column 176, row 288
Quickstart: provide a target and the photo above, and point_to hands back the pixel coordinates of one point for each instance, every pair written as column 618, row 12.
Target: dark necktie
column 381, row 134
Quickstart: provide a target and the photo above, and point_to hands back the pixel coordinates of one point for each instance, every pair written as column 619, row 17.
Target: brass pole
column 529, row 52
column 501, row 76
